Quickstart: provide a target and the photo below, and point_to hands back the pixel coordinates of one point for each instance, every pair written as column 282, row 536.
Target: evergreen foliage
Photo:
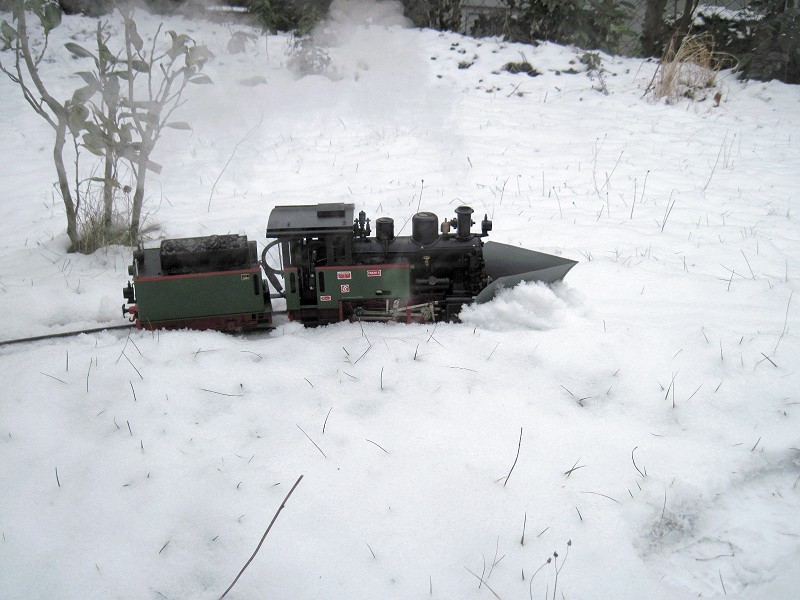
column 287, row 15
column 764, row 38
column 594, row 24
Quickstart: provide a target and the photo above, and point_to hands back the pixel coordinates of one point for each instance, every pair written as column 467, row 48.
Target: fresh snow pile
column 640, row 419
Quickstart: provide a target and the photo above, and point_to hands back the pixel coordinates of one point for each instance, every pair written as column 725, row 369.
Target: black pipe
column 268, row 270
column 464, row 216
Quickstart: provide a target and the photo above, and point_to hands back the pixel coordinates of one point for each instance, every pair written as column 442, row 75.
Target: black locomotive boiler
column 331, row 269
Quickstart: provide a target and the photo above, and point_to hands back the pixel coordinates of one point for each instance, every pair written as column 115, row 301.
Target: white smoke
column 353, row 13
column 369, row 47
column 351, row 21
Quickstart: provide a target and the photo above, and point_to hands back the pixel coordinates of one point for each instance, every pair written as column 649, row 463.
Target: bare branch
column 263, row 537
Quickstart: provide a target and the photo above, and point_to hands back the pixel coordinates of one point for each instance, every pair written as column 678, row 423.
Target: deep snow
column 652, row 395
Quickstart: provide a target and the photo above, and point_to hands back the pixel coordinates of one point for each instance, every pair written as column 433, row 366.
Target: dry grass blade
column 633, row 460
column 312, row 441
column 599, row 494
column 516, row 458
column 483, row 582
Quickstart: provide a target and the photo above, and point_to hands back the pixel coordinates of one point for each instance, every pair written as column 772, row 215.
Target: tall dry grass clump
column 97, row 228
column 689, row 70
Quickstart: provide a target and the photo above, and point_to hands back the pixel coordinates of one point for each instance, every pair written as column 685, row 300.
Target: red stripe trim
column 365, row 267
column 196, row 275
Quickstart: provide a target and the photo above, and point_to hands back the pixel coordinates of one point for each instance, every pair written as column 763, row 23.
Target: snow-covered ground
column 640, row 419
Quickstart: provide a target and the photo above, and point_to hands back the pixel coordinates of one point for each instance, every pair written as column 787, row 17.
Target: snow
column 640, row 418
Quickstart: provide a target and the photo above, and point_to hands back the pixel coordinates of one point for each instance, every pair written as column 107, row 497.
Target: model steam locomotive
column 331, row 270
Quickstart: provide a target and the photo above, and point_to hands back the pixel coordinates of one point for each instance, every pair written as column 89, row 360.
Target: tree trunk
column 109, row 158
column 58, row 121
column 138, row 197
column 653, row 28
column 108, row 190
column 685, row 23
column 63, row 184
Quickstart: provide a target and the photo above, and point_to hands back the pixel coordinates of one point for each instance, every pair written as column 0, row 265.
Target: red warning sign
column 374, row 273
column 346, row 288
column 343, row 275
column 324, row 298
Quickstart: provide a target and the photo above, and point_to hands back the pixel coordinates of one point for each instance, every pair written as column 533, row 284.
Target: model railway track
column 63, row 334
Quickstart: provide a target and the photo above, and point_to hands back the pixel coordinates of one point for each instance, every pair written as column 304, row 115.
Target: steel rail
column 63, row 334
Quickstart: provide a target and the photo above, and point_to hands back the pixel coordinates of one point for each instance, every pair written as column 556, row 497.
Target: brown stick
column 263, row 537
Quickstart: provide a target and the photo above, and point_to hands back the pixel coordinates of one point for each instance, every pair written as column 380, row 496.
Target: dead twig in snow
column 515, row 458
column 230, row 158
column 479, row 578
column 599, row 494
column 263, row 537
column 312, row 441
column 574, row 468
column 378, row 445
column 634, row 463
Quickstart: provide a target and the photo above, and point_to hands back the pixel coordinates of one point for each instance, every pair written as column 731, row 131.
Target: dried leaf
column 201, row 80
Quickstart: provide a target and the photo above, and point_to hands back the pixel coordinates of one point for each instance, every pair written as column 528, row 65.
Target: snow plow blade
column 510, row 265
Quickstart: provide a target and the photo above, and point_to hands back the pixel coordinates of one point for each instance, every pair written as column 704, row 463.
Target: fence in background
column 492, row 17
